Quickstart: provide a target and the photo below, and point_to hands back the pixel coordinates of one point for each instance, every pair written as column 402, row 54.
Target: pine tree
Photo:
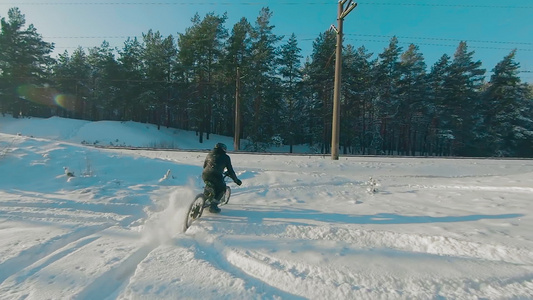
column 238, row 56
column 72, row 77
column 386, row 75
column 291, row 74
column 357, row 82
column 200, row 52
column 463, row 83
column 507, row 128
column 131, row 76
column 239, row 44
column 412, row 116
column 159, row 58
column 439, row 138
column 104, row 76
column 262, row 104
column 24, row 66
column 318, row 78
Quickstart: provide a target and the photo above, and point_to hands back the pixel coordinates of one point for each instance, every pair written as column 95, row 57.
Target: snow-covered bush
column 372, row 186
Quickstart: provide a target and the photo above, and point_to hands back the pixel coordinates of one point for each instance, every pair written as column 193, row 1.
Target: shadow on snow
column 256, row 215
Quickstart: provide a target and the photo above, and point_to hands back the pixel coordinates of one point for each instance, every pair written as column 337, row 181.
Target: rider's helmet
column 221, row 146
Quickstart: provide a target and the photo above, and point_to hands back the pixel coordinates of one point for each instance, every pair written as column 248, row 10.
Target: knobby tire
column 197, row 206
column 195, row 210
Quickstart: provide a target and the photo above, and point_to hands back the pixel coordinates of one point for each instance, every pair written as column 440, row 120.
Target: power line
column 92, row 37
column 66, row 78
column 442, row 45
column 349, row 34
column 160, row 3
column 371, row 41
column 444, row 5
column 440, row 39
column 270, row 3
column 365, row 40
column 351, row 38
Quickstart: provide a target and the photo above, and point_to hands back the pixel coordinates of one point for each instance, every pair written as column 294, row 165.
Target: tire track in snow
column 363, row 280
column 437, row 245
column 54, row 208
column 217, row 256
column 368, row 239
column 308, row 282
column 516, row 189
column 109, row 282
column 32, row 255
column 46, row 261
column 290, row 268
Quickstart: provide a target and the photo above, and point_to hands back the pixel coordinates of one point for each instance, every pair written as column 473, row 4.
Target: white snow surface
column 299, row 227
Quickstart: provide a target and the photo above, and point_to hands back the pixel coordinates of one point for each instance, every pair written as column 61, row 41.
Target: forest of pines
column 392, row 103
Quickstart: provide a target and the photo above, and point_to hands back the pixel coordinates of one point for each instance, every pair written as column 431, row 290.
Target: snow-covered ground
column 299, row 227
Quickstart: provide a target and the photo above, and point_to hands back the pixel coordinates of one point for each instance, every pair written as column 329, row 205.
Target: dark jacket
column 216, row 161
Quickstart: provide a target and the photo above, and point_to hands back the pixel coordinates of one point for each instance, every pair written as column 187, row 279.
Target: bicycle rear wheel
column 195, row 210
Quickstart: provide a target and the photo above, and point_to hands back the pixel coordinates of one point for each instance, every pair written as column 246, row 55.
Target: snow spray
column 163, row 226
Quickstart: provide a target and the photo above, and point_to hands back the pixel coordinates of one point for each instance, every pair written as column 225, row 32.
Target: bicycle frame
column 204, row 200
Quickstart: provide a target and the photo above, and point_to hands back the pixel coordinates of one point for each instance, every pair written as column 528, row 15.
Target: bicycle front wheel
column 195, row 210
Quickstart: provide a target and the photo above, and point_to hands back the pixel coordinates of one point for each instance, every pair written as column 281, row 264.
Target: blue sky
column 491, row 28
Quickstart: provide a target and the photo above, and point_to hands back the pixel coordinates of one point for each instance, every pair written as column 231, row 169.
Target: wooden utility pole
column 335, row 126
column 237, row 139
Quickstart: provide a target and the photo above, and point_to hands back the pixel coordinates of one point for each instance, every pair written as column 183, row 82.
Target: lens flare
column 48, row 96
column 37, row 94
column 66, row 101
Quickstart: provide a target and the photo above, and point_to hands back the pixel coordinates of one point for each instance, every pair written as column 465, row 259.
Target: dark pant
column 217, row 182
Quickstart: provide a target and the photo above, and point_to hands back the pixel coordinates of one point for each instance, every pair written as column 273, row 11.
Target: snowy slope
column 300, row 227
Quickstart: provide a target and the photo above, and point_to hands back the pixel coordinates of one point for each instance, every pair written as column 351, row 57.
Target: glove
column 238, row 182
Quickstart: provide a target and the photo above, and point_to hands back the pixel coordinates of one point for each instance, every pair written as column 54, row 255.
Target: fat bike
column 204, row 200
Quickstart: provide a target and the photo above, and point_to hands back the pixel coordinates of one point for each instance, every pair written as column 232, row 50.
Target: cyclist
column 214, row 165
